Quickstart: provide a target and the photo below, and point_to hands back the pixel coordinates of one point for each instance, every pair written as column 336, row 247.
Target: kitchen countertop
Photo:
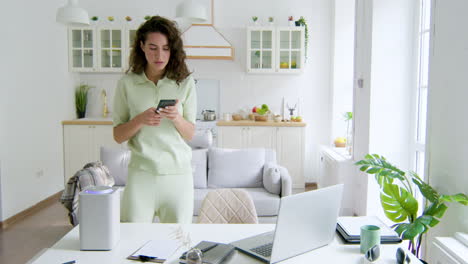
column 108, row 121
column 260, row 123
column 89, row 121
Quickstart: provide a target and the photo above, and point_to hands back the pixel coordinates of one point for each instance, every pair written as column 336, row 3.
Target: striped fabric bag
column 92, row 174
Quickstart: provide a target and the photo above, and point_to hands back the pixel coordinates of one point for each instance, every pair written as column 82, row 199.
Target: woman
column 159, row 172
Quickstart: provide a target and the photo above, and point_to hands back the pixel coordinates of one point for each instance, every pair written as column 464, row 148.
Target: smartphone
column 165, row 102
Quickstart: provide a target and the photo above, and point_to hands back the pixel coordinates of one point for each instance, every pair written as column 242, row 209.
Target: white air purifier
column 99, row 218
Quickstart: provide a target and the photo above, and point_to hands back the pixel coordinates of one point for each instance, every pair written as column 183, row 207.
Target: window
column 424, row 27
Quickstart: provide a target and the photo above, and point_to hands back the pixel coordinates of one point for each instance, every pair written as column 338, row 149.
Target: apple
column 254, row 109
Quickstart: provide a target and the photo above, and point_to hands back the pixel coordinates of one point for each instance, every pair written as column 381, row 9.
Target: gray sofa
column 254, row 170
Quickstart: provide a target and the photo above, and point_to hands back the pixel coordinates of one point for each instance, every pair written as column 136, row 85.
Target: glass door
column 291, row 49
column 82, row 49
column 110, row 49
column 260, row 55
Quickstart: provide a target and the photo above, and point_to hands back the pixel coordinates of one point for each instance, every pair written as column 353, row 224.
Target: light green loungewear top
column 157, row 149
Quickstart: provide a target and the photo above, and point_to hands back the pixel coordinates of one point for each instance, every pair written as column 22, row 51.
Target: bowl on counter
column 262, row 118
column 236, row 117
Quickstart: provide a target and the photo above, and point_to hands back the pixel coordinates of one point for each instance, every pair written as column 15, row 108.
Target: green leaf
column 459, row 198
column 398, row 204
column 436, row 210
column 373, row 170
column 427, row 191
column 409, row 231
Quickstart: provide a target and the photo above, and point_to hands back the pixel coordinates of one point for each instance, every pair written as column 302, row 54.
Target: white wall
column 447, row 149
column 343, row 60
column 36, row 96
column 238, row 89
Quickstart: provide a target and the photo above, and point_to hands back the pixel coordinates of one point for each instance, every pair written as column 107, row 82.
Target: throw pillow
column 272, row 178
column 199, row 168
column 116, row 160
column 235, row 168
column 201, row 139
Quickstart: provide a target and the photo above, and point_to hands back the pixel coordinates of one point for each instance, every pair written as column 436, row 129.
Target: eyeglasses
column 402, row 257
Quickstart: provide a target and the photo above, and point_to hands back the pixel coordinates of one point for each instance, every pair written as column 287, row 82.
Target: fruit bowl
column 261, row 118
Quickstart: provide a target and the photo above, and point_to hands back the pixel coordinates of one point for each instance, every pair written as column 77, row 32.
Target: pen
column 70, row 262
column 144, row 258
column 208, row 248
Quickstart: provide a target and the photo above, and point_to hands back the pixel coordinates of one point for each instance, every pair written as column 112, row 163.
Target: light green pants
column 170, row 197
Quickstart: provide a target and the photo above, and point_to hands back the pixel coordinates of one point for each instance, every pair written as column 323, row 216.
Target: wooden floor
column 24, row 239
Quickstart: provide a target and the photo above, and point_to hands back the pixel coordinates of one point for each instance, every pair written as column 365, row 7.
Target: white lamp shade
column 191, row 11
column 72, row 14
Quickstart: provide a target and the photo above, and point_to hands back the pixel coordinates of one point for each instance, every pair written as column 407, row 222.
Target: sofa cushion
column 272, row 178
column 199, row 167
column 116, row 160
column 266, row 203
column 203, row 138
column 235, row 168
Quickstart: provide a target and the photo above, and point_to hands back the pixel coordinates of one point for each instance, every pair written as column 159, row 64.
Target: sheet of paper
column 161, row 249
column 352, row 225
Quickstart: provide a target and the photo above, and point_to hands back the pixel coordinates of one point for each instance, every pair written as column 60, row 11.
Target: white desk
column 135, row 235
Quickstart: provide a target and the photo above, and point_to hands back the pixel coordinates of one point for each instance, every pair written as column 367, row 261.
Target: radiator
column 450, row 250
column 335, row 168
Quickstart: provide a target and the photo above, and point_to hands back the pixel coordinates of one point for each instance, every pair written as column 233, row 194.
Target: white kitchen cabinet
column 290, row 152
column 81, row 144
column 288, row 142
column 82, row 49
column 110, row 49
column 247, row 137
column 103, row 48
column 275, row 49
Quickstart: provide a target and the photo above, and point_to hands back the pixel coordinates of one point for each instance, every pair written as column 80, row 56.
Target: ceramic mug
column 370, row 236
column 227, row 117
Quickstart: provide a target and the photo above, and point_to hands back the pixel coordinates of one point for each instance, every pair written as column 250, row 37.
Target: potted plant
column 397, row 196
column 348, row 116
column 302, row 22
column 290, row 20
column 254, row 19
column 81, row 99
column 271, row 20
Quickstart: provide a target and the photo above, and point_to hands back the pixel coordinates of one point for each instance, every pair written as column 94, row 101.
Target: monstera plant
column 397, row 196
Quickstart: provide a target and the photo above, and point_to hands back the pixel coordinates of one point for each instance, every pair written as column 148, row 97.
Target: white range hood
column 204, row 41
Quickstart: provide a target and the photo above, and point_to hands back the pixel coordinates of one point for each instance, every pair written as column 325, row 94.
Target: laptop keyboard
column 263, row 250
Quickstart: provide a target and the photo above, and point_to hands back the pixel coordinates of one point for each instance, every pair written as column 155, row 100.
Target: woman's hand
column 149, row 117
column 170, row 112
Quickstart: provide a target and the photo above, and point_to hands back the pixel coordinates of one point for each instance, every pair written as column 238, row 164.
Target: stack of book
column 349, row 228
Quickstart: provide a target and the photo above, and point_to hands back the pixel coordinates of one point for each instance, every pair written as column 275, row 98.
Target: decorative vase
column 194, row 256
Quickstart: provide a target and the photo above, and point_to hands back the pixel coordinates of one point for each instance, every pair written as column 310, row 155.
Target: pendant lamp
column 191, row 11
column 71, row 14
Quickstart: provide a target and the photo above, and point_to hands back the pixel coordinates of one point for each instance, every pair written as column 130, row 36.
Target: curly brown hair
column 176, row 69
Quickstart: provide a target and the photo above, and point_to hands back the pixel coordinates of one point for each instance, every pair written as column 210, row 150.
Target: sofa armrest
column 286, row 182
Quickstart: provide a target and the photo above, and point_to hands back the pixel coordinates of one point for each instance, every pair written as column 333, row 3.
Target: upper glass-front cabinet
column 82, row 55
column 271, row 49
column 110, row 49
column 100, row 49
column 260, row 51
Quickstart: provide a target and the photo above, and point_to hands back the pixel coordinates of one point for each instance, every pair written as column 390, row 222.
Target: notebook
column 213, row 253
column 155, row 251
column 349, row 227
column 306, row 221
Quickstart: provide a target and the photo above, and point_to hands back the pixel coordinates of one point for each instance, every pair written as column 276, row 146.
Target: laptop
column 306, row 221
